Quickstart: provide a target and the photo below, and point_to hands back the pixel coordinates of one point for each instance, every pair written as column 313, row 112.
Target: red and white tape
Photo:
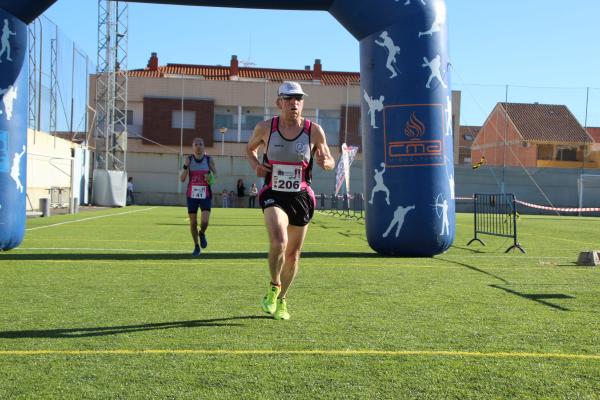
column 560, row 209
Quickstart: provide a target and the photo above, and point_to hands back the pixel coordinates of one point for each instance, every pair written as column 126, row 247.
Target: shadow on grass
column 249, row 225
column 172, row 256
column 472, row 250
column 71, row 333
column 476, row 269
column 360, row 236
column 539, row 297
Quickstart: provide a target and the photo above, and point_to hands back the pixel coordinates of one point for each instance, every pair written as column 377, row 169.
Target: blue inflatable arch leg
column 407, row 124
column 13, row 129
column 406, row 109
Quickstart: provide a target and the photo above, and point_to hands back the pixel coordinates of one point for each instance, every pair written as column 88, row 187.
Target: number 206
column 288, row 185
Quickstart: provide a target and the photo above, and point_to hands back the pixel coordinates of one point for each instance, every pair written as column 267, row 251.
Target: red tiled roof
column 594, row 133
column 330, row 78
column 467, row 130
column 546, row 123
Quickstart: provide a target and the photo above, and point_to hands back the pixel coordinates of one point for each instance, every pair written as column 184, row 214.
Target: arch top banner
column 28, row 10
column 359, row 17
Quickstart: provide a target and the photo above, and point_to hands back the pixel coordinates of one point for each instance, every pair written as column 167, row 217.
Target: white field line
column 88, row 219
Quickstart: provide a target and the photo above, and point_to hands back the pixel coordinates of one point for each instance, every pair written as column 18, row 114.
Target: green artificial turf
column 110, row 304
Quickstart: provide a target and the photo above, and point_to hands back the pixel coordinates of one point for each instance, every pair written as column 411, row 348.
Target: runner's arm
column 211, row 166
column 185, row 171
column 321, row 151
column 258, row 139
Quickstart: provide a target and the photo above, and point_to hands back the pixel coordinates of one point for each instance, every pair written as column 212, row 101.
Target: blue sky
column 546, row 50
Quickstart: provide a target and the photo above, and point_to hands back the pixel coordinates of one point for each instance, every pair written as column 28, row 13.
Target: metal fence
column 59, row 197
column 495, row 215
column 58, row 81
column 349, row 206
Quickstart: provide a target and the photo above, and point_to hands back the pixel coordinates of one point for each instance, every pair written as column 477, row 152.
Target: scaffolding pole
column 111, row 86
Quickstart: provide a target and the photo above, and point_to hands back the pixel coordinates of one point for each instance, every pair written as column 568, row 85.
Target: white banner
column 343, row 168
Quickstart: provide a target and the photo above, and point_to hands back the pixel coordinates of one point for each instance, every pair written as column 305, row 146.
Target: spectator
column 231, row 199
column 252, row 195
column 241, row 192
column 225, row 199
column 129, row 198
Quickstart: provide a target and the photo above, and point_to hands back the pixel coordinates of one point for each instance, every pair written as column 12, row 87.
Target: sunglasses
column 293, row 96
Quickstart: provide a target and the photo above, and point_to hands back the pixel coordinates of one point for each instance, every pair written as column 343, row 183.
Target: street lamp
column 223, row 131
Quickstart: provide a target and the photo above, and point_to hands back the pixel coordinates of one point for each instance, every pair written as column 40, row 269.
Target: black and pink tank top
column 198, row 186
column 290, row 159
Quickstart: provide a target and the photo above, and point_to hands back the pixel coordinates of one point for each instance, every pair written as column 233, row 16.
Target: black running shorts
column 299, row 206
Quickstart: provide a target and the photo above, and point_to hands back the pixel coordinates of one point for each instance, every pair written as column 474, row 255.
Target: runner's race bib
column 287, row 178
column 198, row 192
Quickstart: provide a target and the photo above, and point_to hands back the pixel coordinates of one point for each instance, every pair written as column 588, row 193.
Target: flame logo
column 414, row 127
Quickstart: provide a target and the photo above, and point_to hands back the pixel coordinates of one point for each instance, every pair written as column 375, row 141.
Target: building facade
column 170, row 105
column 467, row 136
column 532, row 136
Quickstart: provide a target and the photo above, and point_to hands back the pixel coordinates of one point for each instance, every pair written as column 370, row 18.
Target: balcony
column 565, row 164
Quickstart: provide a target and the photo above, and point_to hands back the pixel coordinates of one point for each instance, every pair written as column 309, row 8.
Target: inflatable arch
column 406, row 109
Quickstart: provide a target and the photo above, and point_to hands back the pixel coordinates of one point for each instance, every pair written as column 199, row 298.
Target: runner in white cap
column 290, row 144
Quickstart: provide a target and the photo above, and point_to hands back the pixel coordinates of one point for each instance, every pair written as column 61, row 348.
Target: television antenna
column 248, row 62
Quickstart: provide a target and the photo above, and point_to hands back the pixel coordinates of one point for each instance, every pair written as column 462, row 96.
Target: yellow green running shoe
column 281, row 312
column 269, row 302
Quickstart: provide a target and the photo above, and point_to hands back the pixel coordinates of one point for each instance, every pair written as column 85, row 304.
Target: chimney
column 153, row 62
column 317, row 70
column 233, row 68
column 307, row 67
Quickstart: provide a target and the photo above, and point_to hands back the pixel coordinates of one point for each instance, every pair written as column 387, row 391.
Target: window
column 226, row 117
column 250, row 121
column 120, row 114
column 330, row 122
column 565, row 153
column 271, row 112
column 545, row 152
column 185, row 120
column 225, row 121
column 468, row 137
column 251, row 116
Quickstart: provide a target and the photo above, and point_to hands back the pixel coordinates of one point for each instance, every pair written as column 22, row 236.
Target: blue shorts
column 194, row 204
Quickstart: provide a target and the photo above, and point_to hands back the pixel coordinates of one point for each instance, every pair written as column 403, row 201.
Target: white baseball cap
column 289, row 88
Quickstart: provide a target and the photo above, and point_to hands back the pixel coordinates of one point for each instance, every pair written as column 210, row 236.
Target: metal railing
column 495, row 215
column 59, row 197
column 346, row 205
